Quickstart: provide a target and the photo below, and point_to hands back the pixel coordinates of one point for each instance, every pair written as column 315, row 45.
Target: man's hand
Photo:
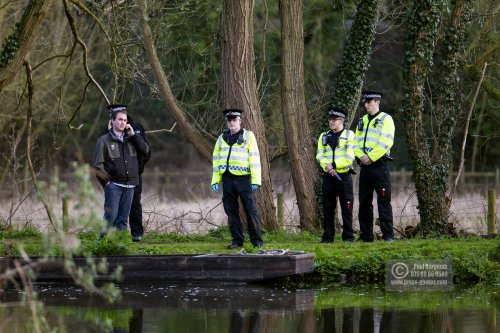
column 255, row 187
column 129, row 130
column 365, row 160
column 330, row 170
column 215, row 187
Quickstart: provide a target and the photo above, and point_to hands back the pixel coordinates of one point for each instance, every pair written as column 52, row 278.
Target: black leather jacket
column 116, row 161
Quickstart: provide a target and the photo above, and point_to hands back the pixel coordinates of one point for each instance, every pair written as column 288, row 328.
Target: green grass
column 474, row 259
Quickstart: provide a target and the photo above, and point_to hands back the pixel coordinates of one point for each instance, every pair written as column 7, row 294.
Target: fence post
column 65, row 213
column 491, row 212
column 281, row 212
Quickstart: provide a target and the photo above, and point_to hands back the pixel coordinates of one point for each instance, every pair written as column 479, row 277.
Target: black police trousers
column 331, row 189
column 135, row 217
column 234, row 187
column 375, row 177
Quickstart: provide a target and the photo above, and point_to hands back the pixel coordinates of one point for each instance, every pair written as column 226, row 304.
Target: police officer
column 236, row 161
column 135, row 218
column 375, row 135
column 335, row 155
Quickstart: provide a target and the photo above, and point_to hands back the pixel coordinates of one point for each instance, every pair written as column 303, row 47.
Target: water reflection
column 176, row 307
column 365, row 320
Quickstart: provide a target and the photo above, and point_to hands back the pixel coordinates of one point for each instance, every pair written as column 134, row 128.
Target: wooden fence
column 181, row 184
column 188, row 185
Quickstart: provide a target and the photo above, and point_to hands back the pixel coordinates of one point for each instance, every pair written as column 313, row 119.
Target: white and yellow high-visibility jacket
column 343, row 156
column 376, row 136
column 240, row 158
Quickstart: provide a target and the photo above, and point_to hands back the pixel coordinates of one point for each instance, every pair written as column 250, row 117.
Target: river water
column 222, row 307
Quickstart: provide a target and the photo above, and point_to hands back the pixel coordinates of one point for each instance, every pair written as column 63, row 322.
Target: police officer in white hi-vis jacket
column 236, row 161
column 375, row 135
column 335, row 155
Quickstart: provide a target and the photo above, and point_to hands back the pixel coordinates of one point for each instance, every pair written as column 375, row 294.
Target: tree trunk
column 431, row 165
column 19, row 42
column 351, row 70
column 239, row 90
column 420, row 47
column 192, row 135
column 298, row 137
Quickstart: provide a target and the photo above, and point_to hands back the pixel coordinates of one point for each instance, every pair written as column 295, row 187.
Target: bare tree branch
column 201, row 145
column 80, row 42
column 466, row 130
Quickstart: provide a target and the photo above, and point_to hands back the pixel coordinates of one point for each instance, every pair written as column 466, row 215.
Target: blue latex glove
column 215, row 188
column 255, row 187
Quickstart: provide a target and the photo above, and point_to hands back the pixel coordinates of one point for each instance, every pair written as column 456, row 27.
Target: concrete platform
column 216, row 267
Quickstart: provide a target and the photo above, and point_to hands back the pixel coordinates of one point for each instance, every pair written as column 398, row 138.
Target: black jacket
column 116, row 161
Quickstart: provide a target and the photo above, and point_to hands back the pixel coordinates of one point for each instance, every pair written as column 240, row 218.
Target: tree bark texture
column 352, row 67
column 192, row 135
column 19, row 43
column 423, row 23
column 431, row 164
column 239, row 90
column 297, row 132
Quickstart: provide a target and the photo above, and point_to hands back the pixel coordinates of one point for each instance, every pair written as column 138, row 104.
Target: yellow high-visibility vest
column 344, row 151
column 376, row 136
column 240, row 159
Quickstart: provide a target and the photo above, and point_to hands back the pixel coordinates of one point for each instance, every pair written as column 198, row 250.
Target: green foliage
column 115, row 243
column 495, row 253
column 20, row 233
column 470, row 258
column 221, row 232
column 9, row 47
column 281, row 236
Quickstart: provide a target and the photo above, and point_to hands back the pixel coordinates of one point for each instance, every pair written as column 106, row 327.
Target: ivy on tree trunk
column 17, row 45
column 431, row 156
column 351, row 70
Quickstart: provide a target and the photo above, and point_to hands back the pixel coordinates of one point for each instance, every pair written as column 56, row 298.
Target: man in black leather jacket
column 117, row 166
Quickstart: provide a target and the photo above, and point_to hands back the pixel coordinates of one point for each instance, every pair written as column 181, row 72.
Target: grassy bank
column 474, row 259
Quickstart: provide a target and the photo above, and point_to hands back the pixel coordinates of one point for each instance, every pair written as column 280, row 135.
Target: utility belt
column 348, row 172
column 228, row 174
column 375, row 164
column 378, row 163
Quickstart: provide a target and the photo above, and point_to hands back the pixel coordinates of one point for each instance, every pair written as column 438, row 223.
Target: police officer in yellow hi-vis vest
column 236, row 161
column 335, row 155
column 375, row 135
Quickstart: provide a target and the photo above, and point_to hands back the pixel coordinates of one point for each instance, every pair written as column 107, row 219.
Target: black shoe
column 363, row 240
column 136, row 238
column 234, row 246
column 326, row 241
column 350, row 240
column 259, row 245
